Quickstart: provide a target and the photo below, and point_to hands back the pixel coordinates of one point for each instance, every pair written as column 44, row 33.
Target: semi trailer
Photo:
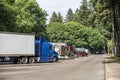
column 25, row 48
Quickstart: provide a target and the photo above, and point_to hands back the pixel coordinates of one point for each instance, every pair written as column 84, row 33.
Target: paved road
column 83, row 68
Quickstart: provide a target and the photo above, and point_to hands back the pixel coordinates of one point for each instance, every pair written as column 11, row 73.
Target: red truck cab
column 70, row 51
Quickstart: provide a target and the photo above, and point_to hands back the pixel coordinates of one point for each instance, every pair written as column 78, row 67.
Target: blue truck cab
column 43, row 50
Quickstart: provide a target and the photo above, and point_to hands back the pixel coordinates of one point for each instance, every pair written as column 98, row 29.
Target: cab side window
column 50, row 47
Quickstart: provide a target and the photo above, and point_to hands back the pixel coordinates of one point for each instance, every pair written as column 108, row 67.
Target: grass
column 114, row 57
column 118, row 61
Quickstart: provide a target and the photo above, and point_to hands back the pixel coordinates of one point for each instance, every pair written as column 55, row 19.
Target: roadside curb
column 106, row 72
column 111, row 69
column 106, row 67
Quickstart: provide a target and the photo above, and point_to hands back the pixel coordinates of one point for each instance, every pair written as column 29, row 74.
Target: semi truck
column 70, row 51
column 25, row 48
column 64, row 51
column 60, row 48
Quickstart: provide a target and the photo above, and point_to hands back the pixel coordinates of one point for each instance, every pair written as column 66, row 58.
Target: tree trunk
column 115, row 31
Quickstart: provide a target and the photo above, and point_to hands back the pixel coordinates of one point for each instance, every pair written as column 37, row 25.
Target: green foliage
column 7, row 16
column 102, row 9
column 115, row 58
column 94, row 14
column 24, row 16
column 76, row 15
column 89, row 26
column 76, row 34
column 83, row 14
column 70, row 15
column 55, row 32
column 109, row 45
column 53, row 18
column 25, row 21
column 60, row 18
column 56, row 18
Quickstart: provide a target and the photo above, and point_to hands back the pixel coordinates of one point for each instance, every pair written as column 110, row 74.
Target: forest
column 90, row 26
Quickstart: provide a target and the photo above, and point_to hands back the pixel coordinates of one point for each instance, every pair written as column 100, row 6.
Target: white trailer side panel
column 16, row 44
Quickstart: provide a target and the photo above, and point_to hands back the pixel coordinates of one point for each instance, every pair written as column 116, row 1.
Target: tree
column 31, row 18
column 84, row 5
column 103, row 12
column 110, row 46
column 84, row 13
column 55, row 32
column 54, row 17
column 76, row 15
column 76, row 34
column 39, row 18
column 60, row 18
column 24, row 16
column 70, row 15
column 103, row 19
column 7, row 16
column 25, row 21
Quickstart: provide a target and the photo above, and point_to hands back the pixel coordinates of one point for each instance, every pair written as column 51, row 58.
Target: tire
column 31, row 60
column 24, row 60
column 72, row 57
column 2, row 60
column 54, row 59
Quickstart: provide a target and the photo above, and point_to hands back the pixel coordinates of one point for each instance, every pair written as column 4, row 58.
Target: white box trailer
column 17, row 47
column 16, row 44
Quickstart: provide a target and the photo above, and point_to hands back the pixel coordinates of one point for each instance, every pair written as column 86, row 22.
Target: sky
column 61, row 6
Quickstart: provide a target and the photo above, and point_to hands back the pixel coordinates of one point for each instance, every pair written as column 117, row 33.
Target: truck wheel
column 72, row 57
column 54, row 59
column 2, row 60
column 31, row 60
column 24, row 60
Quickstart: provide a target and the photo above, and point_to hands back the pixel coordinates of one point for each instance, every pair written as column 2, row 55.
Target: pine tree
column 70, row 15
column 84, row 13
column 60, row 18
column 54, row 18
column 76, row 15
column 102, row 9
column 84, row 5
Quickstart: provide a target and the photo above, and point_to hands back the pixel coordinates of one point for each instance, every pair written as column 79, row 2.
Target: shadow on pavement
column 2, row 79
column 109, row 60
